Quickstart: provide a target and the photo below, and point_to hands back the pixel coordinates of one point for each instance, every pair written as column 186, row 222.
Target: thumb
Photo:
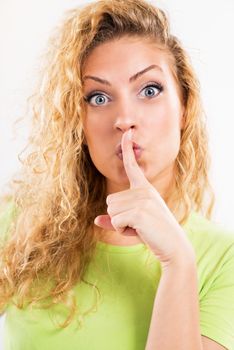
column 104, row 221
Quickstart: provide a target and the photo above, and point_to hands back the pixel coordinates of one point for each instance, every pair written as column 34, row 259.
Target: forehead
column 125, row 56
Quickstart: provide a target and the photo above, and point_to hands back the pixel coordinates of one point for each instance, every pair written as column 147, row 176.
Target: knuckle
column 150, row 192
column 147, row 204
column 137, row 214
column 114, row 221
column 110, row 210
column 109, row 198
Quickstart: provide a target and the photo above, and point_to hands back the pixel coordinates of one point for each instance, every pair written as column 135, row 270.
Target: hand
column 140, row 210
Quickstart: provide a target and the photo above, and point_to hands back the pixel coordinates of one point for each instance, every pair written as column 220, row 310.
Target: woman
column 106, row 245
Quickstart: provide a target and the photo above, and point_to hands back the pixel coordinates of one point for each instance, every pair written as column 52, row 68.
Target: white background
column 206, row 29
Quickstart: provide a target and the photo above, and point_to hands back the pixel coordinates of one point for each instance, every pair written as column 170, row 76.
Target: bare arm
column 175, row 317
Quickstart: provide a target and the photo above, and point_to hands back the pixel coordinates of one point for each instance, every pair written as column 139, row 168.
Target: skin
column 155, row 117
column 141, row 209
column 136, row 188
column 156, row 121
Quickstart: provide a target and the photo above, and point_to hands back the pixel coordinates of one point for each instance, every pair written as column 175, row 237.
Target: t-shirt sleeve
column 217, row 305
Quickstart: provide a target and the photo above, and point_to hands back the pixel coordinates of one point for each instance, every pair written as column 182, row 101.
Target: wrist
column 183, row 260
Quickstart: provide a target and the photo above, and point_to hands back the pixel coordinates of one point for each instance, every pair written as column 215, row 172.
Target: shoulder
column 207, row 235
column 214, row 247
column 213, row 244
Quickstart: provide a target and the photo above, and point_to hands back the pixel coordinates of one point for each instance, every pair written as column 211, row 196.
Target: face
column 128, row 83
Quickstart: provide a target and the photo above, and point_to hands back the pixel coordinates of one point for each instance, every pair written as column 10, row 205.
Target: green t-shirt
column 118, row 310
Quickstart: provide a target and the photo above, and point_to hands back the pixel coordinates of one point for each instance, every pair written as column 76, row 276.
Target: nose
column 125, row 118
column 124, row 126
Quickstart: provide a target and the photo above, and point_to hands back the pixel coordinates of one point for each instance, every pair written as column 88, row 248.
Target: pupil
column 151, row 92
column 99, row 99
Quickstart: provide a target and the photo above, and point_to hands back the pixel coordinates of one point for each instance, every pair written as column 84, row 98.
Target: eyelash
column 158, row 86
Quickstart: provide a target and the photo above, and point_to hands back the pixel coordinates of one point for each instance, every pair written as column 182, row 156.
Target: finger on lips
column 134, row 173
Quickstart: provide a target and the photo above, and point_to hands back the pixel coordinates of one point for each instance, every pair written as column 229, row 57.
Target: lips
column 136, row 148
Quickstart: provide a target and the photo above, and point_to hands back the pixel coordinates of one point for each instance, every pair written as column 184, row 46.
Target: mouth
column 136, row 149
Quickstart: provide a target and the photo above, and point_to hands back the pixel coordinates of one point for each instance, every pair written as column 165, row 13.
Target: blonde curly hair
column 59, row 192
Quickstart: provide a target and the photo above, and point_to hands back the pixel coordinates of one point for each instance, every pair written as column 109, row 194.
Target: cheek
column 160, row 122
column 165, row 134
column 95, row 129
column 165, row 120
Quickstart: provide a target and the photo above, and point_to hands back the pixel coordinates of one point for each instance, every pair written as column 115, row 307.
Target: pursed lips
column 136, row 148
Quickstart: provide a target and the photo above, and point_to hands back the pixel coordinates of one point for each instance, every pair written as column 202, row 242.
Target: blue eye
column 151, row 89
column 98, row 98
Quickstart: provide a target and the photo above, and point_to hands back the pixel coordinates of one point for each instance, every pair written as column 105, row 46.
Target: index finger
column 134, row 173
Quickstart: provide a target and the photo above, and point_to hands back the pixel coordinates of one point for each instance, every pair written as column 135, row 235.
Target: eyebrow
column 131, row 79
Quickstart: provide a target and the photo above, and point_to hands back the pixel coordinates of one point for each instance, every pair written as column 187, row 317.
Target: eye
column 97, row 99
column 151, row 90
